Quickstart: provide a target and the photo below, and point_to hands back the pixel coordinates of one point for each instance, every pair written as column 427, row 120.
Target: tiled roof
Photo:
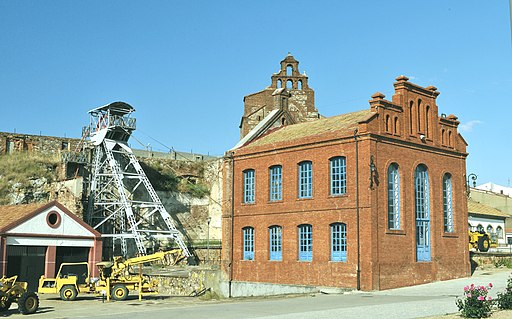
column 12, row 213
column 345, row 123
column 481, row 209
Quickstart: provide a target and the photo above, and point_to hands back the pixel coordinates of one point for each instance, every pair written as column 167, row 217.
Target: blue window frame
column 305, row 242
column 338, row 242
column 338, row 175
column 305, row 179
column 249, row 186
column 248, row 233
column 276, row 183
column 393, row 197
column 447, row 203
column 276, row 242
column 422, row 210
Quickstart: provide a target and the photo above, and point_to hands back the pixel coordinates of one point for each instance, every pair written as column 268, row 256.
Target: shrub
column 505, row 262
column 475, row 303
column 504, row 300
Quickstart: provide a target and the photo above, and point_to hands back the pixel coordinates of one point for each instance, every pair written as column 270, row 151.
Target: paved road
column 409, row 302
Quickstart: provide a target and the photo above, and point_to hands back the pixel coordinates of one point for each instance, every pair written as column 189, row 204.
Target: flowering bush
column 504, row 300
column 475, row 303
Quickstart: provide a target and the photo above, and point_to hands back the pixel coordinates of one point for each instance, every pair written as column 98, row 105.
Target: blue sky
column 185, row 66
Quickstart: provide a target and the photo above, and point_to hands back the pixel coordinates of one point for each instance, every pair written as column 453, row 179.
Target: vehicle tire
column 5, row 301
column 28, row 303
column 68, row 293
column 119, row 292
column 483, row 244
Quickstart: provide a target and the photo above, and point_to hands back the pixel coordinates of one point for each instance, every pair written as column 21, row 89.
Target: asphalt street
column 410, row 302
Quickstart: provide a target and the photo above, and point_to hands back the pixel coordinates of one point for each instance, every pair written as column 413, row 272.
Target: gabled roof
column 482, row 209
column 342, row 124
column 263, row 126
column 12, row 216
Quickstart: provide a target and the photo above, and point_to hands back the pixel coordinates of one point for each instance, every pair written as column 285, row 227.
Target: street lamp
column 208, row 220
column 472, row 177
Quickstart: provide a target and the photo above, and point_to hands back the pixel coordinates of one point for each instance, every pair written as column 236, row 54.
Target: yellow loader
column 116, row 279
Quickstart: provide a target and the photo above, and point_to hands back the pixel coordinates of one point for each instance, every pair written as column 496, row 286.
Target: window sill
column 338, row 196
column 451, row 235
column 249, row 204
column 275, row 201
column 395, row 232
column 304, row 198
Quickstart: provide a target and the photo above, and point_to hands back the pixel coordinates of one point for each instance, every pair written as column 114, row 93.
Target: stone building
column 370, row 200
column 289, row 90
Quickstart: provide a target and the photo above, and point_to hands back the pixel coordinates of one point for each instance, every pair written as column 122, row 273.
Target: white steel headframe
column 122, row 202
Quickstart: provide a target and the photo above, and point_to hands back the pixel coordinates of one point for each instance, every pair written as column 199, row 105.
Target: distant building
column 495, row 188
column 488, row 219
column 498, row 200
column 372, row 200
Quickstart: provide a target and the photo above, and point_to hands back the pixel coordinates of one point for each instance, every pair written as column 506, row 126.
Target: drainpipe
column 231, row 254
column 358, row 270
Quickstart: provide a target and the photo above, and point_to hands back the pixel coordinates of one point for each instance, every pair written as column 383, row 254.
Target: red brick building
column 370, row 200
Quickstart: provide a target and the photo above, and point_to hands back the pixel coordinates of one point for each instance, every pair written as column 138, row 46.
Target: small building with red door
column 36, row 238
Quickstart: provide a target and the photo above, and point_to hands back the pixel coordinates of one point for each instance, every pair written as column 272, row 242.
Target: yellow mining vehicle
column 480, row 240
column 16, row 291
column 117, row 278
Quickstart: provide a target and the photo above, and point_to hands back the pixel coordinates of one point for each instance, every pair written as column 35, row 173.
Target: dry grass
column 20, row 168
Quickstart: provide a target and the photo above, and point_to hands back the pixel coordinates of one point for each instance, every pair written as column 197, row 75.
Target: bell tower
column 295, row 96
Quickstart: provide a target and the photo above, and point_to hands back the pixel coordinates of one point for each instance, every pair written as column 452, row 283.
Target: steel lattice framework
column 122, row 203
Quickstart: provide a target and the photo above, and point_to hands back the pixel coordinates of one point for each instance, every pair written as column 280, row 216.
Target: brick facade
column 406, row 131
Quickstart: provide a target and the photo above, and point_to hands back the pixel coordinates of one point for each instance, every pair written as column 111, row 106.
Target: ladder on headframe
column 122, row 202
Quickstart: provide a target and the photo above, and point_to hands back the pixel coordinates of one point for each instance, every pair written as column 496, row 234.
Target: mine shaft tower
column 123, row 205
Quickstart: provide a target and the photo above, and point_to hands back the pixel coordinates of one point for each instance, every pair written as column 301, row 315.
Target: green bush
column 475, row 303
column 507, row 262
column 504, row 300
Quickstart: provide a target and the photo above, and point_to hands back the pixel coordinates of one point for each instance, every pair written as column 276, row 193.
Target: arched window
column 388, row 124
column 248, row 236
column 480, row 228
column 305, row 242
column 393, row 197
column 338, row 242
column 305, row 179
column 300, row 85
column 338, row 175
column 422, row 210
column 249, row 186
column 396, row 128
column 411, row 119
column 276, row 183
column 450, row 143
column 499, row 232
column 418, row 111
column 443, row 137
column 289, row 70
column 289, row 84
column 427, row 120
column 279, row 84
column 276, row 242
column 447, row 203
column 490, row 229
